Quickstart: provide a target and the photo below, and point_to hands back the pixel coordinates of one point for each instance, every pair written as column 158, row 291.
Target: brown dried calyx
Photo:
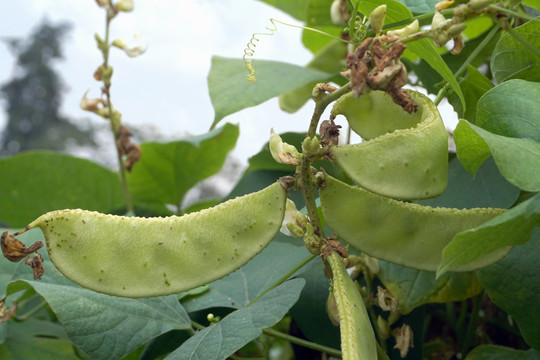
column 376, row 64
column 126, row 147
column 14, row 250
column 329, row 132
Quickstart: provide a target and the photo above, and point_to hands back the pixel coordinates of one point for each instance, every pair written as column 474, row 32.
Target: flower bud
column 407, row 30
column 383, row 327
column 335, row 13
column 376, row 18
column 311, row 145
column 93, row 105
column 438, row 20
column 479, row 4
column 282, row 152
column 294, row 221
column 103, row 3
column 443, row 5
column 124, row 5
column 130, row 51
column 456, row 29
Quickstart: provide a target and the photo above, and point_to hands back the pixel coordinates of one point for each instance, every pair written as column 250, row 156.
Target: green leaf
column 242, row 286
column 166, row 171
column 318, row 13
column 231, row 92
column 310, row 314
column 487, row 188
column 495, row 352
column 104, row 327
column 513, row 284
column 314, row 41
column 221, row 340
column 328, row 59
column 413, row 287
column 420, row 6
column 518, row 160
column 511, row 59
column 474, row 85
column 424, row 48
column 34, row 183
column 296, row 9
column 511, row 228
column 520, row 120
column 36, row 339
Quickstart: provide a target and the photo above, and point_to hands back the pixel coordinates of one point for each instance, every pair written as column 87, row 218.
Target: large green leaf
column 424, row 48
column 413, row 287
column 487, row 188
column 221, row 340
column 513, row 60
column 512, row 228
column 230, row 90
column 34, row 183
column 518, row 160
column 420, row 6
column 474, row 85
column 329, row 59
column 310, row 314
column 520, row 119
column 495, row 352
column 104, row 327
column 242, row 286
column 36, row 339
column 166, row 171
column 318, row 13
column 296, row 8
column 513, row 284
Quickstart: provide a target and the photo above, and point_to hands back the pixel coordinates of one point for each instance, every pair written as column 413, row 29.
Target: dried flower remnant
column 126, row 147
column 36, row 263
column 386, row 301
column 376, row 63
column 329, row 132
column 14, row 250
column 7, row 313
column 404, row 339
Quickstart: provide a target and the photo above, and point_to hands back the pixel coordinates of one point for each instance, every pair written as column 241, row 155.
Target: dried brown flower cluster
column 376, row 64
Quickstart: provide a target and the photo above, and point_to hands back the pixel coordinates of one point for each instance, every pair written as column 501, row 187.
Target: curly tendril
column 249, row 51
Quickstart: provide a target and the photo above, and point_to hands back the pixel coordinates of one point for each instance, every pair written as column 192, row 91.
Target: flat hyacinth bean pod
column 403, row 233
column 403, row 156
column 143, row 257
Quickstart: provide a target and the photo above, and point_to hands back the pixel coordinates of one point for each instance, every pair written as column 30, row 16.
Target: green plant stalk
column 469, row 335
column 442, row 92
column 302, row 342
column 516, row 35
column 31, row 312
column 460, row 324
column 107, row 85
column 289, row 338
column 512, row 12
column 305, row 166
column 284, row 278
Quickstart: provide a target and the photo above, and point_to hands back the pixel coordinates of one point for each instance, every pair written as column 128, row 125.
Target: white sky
column 165, row 87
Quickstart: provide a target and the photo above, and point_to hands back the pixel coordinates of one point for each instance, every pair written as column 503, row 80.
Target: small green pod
column 405, row 156
column 142, row 257
column 357, row 336
column 403, row 233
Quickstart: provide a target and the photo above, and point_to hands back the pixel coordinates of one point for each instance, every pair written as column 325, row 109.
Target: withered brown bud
column 36, row 263
column 126, row 147
column 7, row 313
column 14, row 250
column 329, row 132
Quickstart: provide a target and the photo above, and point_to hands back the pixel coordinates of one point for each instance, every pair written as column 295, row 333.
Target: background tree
column 33, row 97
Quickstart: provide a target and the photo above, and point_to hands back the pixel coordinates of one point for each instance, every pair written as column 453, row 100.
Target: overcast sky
column 165, row 87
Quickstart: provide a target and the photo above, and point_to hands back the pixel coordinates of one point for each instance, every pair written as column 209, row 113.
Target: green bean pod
column 404, row 156
column 399, row 232
column 142, row 257
column 357, row 337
